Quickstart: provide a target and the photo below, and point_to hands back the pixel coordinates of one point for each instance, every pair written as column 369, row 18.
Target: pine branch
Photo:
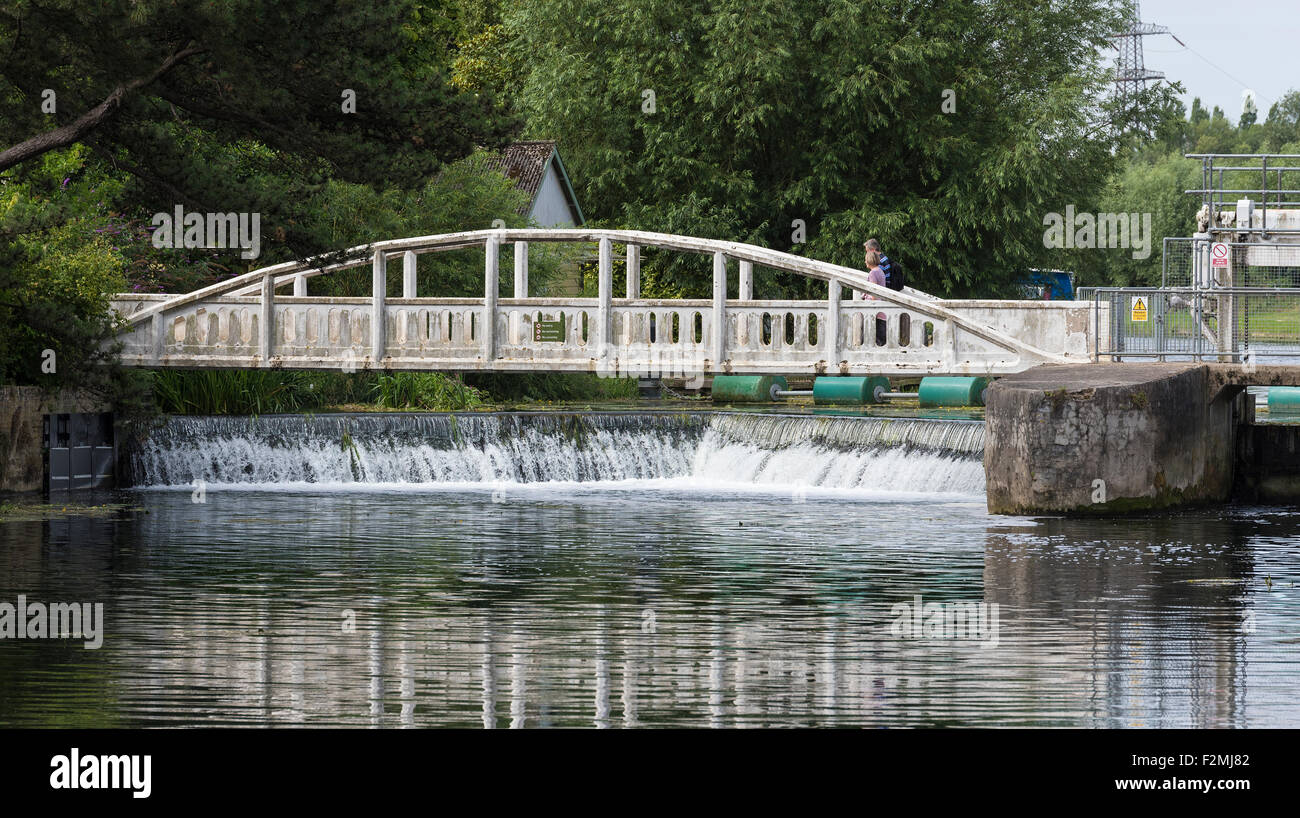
column 71, row 133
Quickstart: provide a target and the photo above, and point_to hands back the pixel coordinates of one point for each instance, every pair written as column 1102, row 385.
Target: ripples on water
column 737, row 597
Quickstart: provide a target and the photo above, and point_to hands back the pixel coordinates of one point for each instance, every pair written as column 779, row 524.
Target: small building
column 538, row 171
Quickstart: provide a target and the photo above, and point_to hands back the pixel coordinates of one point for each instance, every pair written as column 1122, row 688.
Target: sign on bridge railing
column 548, row 331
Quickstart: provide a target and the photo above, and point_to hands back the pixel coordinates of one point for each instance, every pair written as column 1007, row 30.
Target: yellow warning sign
column 1139, row 311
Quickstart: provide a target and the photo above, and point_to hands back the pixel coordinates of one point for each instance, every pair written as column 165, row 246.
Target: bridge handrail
column 813, row 268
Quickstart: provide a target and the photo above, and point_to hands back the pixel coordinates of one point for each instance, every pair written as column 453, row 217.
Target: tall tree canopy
column 768, row 111
column 305, row 112
column 243, row 105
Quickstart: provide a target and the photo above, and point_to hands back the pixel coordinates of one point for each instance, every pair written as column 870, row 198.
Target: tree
column 212, row 111
column 945, row 128
column 1283, row 122
column 112, row 111
column 468, row 194
column 1150, row 184
column 55, row 327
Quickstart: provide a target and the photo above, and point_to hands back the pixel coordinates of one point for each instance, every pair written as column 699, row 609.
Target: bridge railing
column 904, row 332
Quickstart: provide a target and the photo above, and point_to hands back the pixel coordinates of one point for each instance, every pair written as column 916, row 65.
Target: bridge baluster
column 719, row 310
column 606, row 294
column 378, row 291
column 491, row 284
column 833, row 326
column 515, row 332
column 266, row 324
column 746, row 281
column 159, row 328
column 633, row 271
column 521, row 269
column 408, row 275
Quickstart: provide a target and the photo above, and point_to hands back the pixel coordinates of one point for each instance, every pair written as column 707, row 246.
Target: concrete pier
column 1118, row 438
column 22, row 464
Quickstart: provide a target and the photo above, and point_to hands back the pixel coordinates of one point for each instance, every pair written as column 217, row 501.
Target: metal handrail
column 1242, row 156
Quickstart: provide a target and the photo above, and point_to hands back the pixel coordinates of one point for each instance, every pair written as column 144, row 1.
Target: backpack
column 895, row 279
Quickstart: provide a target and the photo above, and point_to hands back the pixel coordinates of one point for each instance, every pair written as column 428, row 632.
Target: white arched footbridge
column 248, row 322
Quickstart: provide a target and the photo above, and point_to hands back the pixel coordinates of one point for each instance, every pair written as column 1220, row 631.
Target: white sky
column 1256, row 42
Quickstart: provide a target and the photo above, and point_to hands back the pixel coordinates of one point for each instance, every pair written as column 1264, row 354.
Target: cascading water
column 878, row 454
column 763, row 451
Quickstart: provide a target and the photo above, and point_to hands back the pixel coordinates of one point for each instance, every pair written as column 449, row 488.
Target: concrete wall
column 22, row 463
column 1110, row 438
column 1057, row 327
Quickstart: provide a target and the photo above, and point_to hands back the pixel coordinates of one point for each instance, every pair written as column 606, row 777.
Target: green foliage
column 339, row 389
column 1205, row 131
column 1154, row 183
column 1282, row 126
column 232, row 392
column 1154, row 175
column 534, row 387
column 54, row 278
column 245, row 119
column 483, row 62
column 779, row 110
column 221, row 115
column 64, row 247
column 261, row 391
column 466, row 195
column 431, row 391
column 71, row 188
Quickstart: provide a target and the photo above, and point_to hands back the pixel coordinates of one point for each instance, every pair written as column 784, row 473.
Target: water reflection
column 1163, row 612
column 605, row 609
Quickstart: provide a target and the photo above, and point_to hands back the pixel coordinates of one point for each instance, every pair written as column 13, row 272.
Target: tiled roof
column 525, row 163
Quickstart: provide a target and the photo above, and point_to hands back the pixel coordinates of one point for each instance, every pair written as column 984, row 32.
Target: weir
column 702, row 449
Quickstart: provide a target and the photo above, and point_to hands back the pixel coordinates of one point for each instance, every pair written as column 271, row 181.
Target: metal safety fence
column 1230, row 324
column 1248, row 264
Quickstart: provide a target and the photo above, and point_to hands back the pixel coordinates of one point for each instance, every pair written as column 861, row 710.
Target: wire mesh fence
column 1177, row 262
column 1248, row 264
column 1225, row 324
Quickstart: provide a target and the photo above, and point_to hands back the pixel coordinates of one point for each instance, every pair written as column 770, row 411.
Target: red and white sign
column 1218, row 254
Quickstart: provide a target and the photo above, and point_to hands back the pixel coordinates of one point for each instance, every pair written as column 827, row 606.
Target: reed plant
column 432, row 391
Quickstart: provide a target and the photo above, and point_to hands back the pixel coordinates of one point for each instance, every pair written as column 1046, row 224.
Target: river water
column 673, row 569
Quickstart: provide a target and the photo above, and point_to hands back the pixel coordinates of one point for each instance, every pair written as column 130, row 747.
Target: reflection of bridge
column 223, row 326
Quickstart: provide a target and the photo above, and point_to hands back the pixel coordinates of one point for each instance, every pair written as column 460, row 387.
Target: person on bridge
column 886, row 265
column 876, row 275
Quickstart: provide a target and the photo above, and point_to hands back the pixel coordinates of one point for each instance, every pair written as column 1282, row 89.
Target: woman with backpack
column 876, row 275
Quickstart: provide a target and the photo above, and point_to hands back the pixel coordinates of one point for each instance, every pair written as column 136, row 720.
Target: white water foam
column 715, row 454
